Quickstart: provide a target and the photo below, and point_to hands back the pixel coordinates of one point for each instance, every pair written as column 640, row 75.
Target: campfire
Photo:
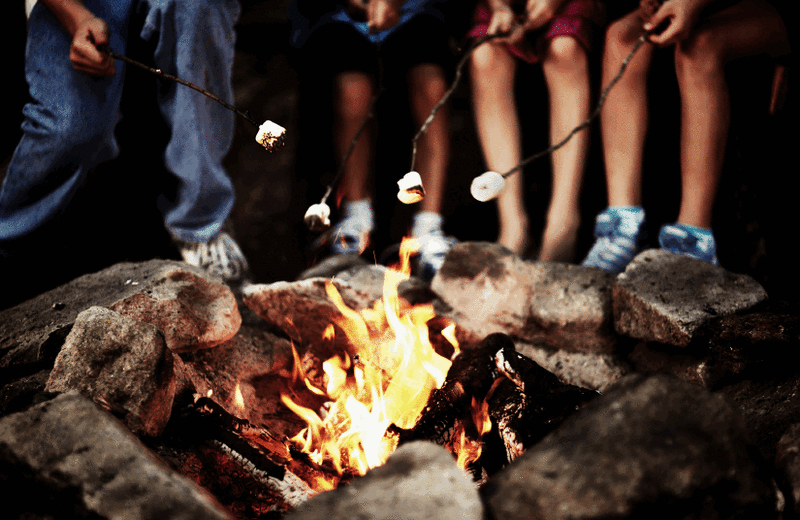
column 385, row 375
column 363, row 376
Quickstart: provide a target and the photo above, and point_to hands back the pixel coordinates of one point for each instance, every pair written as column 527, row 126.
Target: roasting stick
column 489, row 185
column 270, row 135
column 317, row 217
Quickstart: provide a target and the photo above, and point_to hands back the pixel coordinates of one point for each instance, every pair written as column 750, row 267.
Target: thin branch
column 159, row 72
column 457, row 78
column 600, row 102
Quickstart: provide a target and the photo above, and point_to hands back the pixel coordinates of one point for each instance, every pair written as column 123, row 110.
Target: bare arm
column 88, row 33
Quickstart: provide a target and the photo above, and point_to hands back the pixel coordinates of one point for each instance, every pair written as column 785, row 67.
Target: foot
column 433, row 249
column 692, row 241
column 514, row 236
column 351, row 234
column 619, row 233
column 220, row 257
column 559, row 240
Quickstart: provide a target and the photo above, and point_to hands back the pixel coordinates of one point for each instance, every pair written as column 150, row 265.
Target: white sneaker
column 220, row 257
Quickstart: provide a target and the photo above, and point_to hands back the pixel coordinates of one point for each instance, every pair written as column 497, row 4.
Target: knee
column 485, row 62
column 428, row 85
column 699, row 56
column 566, row 53
column 620, row 37
column 353, row 96
column 194, row 13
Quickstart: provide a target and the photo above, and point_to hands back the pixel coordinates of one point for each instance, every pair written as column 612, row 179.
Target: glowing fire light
column 238, row 400
column 387, row 378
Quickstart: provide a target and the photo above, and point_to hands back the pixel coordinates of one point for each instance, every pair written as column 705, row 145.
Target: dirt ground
column 115, row 216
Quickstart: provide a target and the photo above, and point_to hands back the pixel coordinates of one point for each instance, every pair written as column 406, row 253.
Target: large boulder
column 122, row 363
column 555, row 305
column 673, row 299
column 650, row 447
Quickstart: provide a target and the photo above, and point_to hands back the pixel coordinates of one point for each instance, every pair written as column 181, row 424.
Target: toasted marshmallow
column 487, row 186
column 410, row 188
column 317, row 217
column 271, row 135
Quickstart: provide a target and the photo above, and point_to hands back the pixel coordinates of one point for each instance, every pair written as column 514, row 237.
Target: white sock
column 426, row 223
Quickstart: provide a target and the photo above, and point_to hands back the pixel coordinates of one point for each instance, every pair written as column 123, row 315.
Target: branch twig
column 457, row 78
column 159, row 72
column 600, row 102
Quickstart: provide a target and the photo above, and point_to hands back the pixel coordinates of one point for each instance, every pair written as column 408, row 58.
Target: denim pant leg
column 68, row 125
column 195, row 41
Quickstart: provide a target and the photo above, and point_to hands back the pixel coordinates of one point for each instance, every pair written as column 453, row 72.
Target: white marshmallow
column 487, row 186
column 271, row 135
column 410, row 188
column 317, row 217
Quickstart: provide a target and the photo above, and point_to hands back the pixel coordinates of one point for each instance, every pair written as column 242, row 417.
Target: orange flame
column 238, row 400
column 386, row 380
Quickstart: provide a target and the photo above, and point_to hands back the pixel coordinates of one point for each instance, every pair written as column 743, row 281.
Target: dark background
column 115, row 217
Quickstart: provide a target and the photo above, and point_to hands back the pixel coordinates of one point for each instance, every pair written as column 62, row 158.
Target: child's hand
column 539, row 12
column 504, row 21
column 649, row 8
column 383, row 14
column 681, row 16
column 84, row 52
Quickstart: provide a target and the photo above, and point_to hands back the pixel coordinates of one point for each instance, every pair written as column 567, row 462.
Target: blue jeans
column 69, row 124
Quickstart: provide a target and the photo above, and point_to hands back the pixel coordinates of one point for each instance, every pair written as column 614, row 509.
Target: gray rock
column 585, row 369
column 419, row 481
column 649, row 447
column 303, row 309
column 672, row 298
column 192, row 312
column 333, row 265
column 256, row 360
column 787, row 463
column 559, row 306
column 34, row 330
column 71, row 445
column 119, row 362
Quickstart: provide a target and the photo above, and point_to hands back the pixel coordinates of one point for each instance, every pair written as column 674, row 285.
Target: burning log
column 267, row 459
column 471, row 376
column 523, row 400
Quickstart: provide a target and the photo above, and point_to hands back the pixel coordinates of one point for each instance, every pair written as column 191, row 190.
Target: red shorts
column 576, row 18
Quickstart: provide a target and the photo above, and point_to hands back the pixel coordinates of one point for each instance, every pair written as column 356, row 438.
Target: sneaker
column 692, row 241
column 619, row 233
column 351, row 234
column 433, row 248
column 220, row 257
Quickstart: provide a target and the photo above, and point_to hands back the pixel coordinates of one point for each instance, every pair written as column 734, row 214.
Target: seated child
column 557, row 34
column 705, row 35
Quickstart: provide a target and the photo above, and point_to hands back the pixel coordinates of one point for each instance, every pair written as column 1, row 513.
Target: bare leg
column 427, row 86
column 353, row 96
column 493, row 71
column 624, row 115
column 567, row 75
column 748, row 28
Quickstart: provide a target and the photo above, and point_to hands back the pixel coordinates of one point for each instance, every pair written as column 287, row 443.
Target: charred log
column 470, row 376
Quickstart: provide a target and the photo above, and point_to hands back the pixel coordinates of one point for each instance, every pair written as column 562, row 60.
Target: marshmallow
column 487, row 186
column 271, row 135
column 316, row 218
column 410, row 188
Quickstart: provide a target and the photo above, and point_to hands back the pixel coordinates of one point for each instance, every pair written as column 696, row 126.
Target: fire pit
column 224, row 411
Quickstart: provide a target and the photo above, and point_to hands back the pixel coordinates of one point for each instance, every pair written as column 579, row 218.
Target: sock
column 361, row 211
column 426, row 223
